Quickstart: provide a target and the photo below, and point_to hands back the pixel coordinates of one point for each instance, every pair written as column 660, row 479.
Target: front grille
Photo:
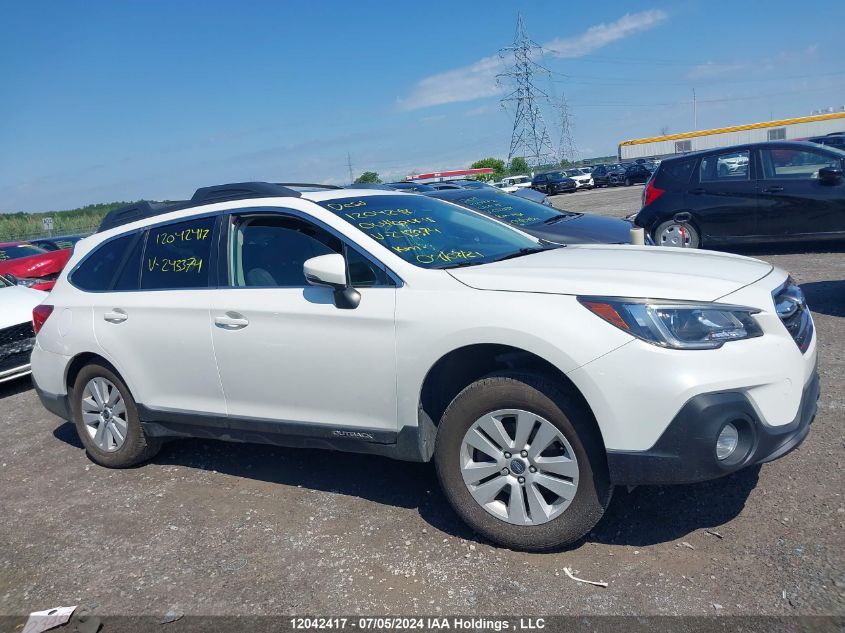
column 791, row 308
column 15, row 345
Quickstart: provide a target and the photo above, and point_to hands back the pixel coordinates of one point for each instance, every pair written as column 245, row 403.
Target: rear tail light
column 40, row 315
column 651, row 193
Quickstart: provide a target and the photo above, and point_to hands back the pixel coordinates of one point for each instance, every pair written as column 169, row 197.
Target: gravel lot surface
column 214, row 528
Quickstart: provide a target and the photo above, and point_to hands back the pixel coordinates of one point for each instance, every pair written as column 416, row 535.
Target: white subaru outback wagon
column 536, row 376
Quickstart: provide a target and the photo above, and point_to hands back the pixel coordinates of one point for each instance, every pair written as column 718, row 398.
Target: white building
column 785, row 129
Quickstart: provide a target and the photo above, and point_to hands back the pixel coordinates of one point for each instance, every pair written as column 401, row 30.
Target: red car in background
column 33, row 267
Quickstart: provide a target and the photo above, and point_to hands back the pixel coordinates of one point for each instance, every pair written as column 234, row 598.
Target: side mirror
column 830, row 174
column 330, row 271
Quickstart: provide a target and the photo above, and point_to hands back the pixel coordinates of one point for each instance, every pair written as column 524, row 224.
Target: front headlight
column 678, row 325
column 28, row 283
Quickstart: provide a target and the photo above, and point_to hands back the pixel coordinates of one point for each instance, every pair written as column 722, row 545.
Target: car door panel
column 722, row 200
column 162, row 341
column 160, row 337
column 301, row 359
column 286, row 354
column 793, row 202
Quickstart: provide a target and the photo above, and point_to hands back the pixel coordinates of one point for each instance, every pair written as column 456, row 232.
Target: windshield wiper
column 461, row 265
column 520, row 253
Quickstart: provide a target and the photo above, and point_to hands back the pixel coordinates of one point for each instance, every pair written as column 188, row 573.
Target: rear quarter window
column 678, row 171
column 98, row 269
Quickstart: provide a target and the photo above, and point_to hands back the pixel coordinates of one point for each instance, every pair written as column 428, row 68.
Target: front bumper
column 685, row 452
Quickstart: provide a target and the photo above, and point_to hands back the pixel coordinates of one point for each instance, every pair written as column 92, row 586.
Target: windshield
column 574, row 172
column 17, row 251
column 508, row 208
column 431, row 233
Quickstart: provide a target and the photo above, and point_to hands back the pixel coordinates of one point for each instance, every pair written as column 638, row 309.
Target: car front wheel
column 522, row 463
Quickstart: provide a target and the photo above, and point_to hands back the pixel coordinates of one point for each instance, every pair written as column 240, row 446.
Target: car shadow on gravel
column 648, row 515
column 644, row 516
column 826, row 297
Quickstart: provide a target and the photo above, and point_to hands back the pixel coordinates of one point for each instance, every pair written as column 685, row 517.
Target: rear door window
column 725, row 167
column 177, row 255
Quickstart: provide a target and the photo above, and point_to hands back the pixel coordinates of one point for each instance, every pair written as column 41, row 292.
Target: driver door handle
column 231, row 321
column 775, row 189
column 115, row 316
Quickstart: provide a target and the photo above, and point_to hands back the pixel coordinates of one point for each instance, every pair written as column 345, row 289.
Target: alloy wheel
column 519, row 467
column 104, row 414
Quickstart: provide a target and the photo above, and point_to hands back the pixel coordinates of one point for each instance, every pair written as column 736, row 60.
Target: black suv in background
column 761, row 192
column 553, row 182
column 608, row 175
column 834, row 139
column 635, row 173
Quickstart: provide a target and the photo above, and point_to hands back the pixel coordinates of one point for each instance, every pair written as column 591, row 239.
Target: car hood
column 621, row 271
column 584, row 229
column 16, row 304
column 35, row 266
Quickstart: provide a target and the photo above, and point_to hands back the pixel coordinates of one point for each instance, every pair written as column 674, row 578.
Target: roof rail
column 240, row 191
column 204, row 195
column 137, row 211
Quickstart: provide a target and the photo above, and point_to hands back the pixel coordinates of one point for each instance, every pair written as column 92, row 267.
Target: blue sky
column 105, row 100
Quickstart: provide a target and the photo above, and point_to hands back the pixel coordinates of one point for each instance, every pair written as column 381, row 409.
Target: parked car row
column 17, row 335
column 619, row 174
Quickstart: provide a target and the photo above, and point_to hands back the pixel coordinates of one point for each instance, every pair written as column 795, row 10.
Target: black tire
column 628, row 182
column 694, row 240
column 137, row 447
column 543, row 397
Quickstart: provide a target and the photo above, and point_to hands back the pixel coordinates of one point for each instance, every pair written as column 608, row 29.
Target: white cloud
column 601, row 35
column 478, row 80
column 461, row 84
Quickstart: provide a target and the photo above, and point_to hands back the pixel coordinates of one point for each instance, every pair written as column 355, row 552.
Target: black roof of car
column 745, row 146
column 203, row 195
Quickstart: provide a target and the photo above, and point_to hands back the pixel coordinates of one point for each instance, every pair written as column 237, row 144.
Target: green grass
column 24, row 226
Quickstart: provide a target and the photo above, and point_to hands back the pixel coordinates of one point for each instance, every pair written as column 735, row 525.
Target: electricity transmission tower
column 529, row 137
column 566, row 146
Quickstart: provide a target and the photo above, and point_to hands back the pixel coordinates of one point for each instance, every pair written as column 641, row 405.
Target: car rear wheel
column 522, row 463
column 677, row 234
column 107, row 421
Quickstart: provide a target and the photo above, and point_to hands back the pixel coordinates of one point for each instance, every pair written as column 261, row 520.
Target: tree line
column 82, row 220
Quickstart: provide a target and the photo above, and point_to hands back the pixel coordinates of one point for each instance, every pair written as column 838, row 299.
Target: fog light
column 727, row 441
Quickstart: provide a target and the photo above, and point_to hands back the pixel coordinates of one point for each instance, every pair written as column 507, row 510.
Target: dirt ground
column 214, row 528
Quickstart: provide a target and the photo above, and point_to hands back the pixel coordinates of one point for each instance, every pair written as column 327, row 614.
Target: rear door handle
column 231, row 321
column 115, row 316
column 698, row 191
column 774, row 189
